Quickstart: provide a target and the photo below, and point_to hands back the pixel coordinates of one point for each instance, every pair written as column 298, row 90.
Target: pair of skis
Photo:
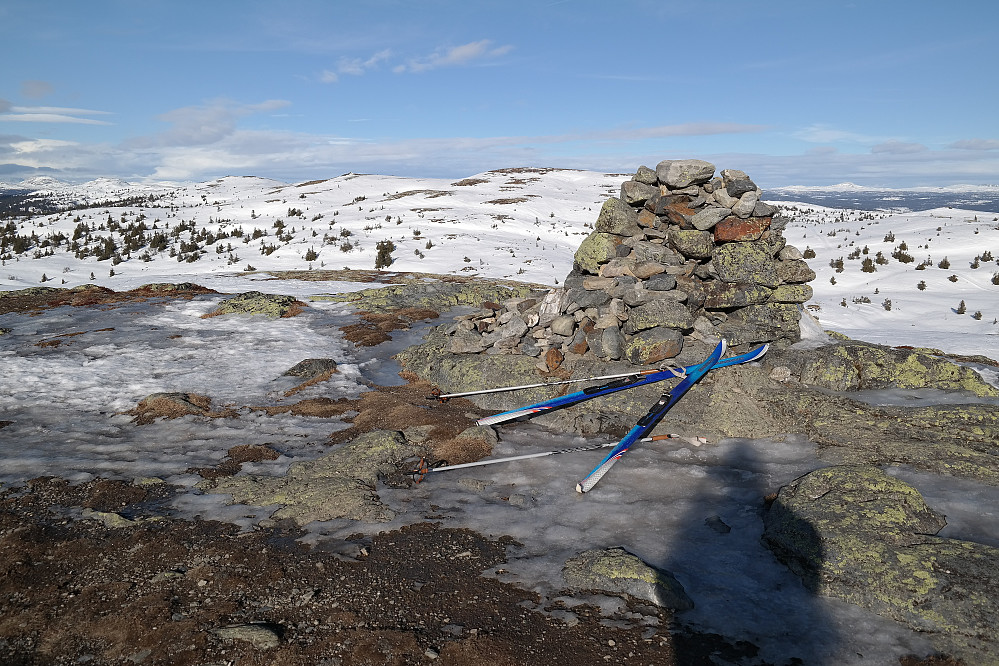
column 688, row 377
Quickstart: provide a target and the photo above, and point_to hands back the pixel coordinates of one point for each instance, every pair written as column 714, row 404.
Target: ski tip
column 579, row 488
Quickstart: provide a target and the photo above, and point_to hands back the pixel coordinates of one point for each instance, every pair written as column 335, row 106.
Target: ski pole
column 633, row 376
column 423, row 468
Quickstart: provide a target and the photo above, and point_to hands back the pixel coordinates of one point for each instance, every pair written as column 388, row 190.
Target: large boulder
column 858, row 534
column 678, row 174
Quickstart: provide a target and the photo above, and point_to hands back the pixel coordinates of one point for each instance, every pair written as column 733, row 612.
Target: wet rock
column 617, row 571
column 311, row 368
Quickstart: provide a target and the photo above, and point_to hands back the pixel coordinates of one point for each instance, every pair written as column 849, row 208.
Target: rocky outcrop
column 617, row 571
column 258, row 303
column 680, row 253
column 338, row 485
column 858, row 534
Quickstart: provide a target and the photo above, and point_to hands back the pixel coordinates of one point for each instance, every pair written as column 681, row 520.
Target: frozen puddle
column 69, row 372
column 663, row 502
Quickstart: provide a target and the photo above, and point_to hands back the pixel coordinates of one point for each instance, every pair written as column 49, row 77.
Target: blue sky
column 896, row 93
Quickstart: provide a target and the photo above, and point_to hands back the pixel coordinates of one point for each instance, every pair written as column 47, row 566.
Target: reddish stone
column 647, row 218
column 679, row 213
column 733, row 228
column 553, row 359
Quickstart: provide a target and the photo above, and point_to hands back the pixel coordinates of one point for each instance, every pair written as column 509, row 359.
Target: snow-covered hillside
column 521, row 224
column 517, row 223
column 901, row 278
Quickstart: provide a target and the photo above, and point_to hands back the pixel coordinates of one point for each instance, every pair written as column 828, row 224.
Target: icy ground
column 65, row 403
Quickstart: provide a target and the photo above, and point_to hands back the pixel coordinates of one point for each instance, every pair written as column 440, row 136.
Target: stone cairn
column 681, row 252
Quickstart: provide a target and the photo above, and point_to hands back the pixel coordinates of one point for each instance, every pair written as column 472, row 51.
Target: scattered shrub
column 962, row 308
column 385, row 249
column 944, row 263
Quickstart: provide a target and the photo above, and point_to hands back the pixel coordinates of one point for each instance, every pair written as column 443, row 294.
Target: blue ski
column 619, row 384
column 648, row 422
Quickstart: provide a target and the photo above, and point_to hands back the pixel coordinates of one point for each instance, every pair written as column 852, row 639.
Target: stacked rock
column 679, row 252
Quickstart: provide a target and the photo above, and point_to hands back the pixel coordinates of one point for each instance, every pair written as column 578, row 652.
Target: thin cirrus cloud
column 455, row 55
column 49, row 114
column 354, row 66
column 445, row 57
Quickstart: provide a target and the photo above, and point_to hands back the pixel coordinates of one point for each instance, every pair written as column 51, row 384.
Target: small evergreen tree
column 385, row 249
column 962, row 308
column 944, row 264
column 868, row 265
column 977, row 316
column 921, row 286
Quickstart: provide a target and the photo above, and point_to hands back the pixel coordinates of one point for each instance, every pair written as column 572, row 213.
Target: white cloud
column 49, row 114
column 455, row 55
column 976, row 144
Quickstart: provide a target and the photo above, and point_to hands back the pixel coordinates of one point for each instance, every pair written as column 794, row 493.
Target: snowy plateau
column 892, row 274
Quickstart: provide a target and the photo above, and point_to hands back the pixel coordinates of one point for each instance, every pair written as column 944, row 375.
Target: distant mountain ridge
column 841, row 195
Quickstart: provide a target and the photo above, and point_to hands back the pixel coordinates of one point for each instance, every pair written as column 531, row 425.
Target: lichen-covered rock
column 618, row 218
column 857, row 365
column 792, row 293
column 661, row 312
column 858, row 534
column 745, row 262
column 255, row 302
column 653, row 345
column 794, row 271
column 725, row 295
column 597, row 248
column 691, row 243
column 617, row 571
column 337, row 485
